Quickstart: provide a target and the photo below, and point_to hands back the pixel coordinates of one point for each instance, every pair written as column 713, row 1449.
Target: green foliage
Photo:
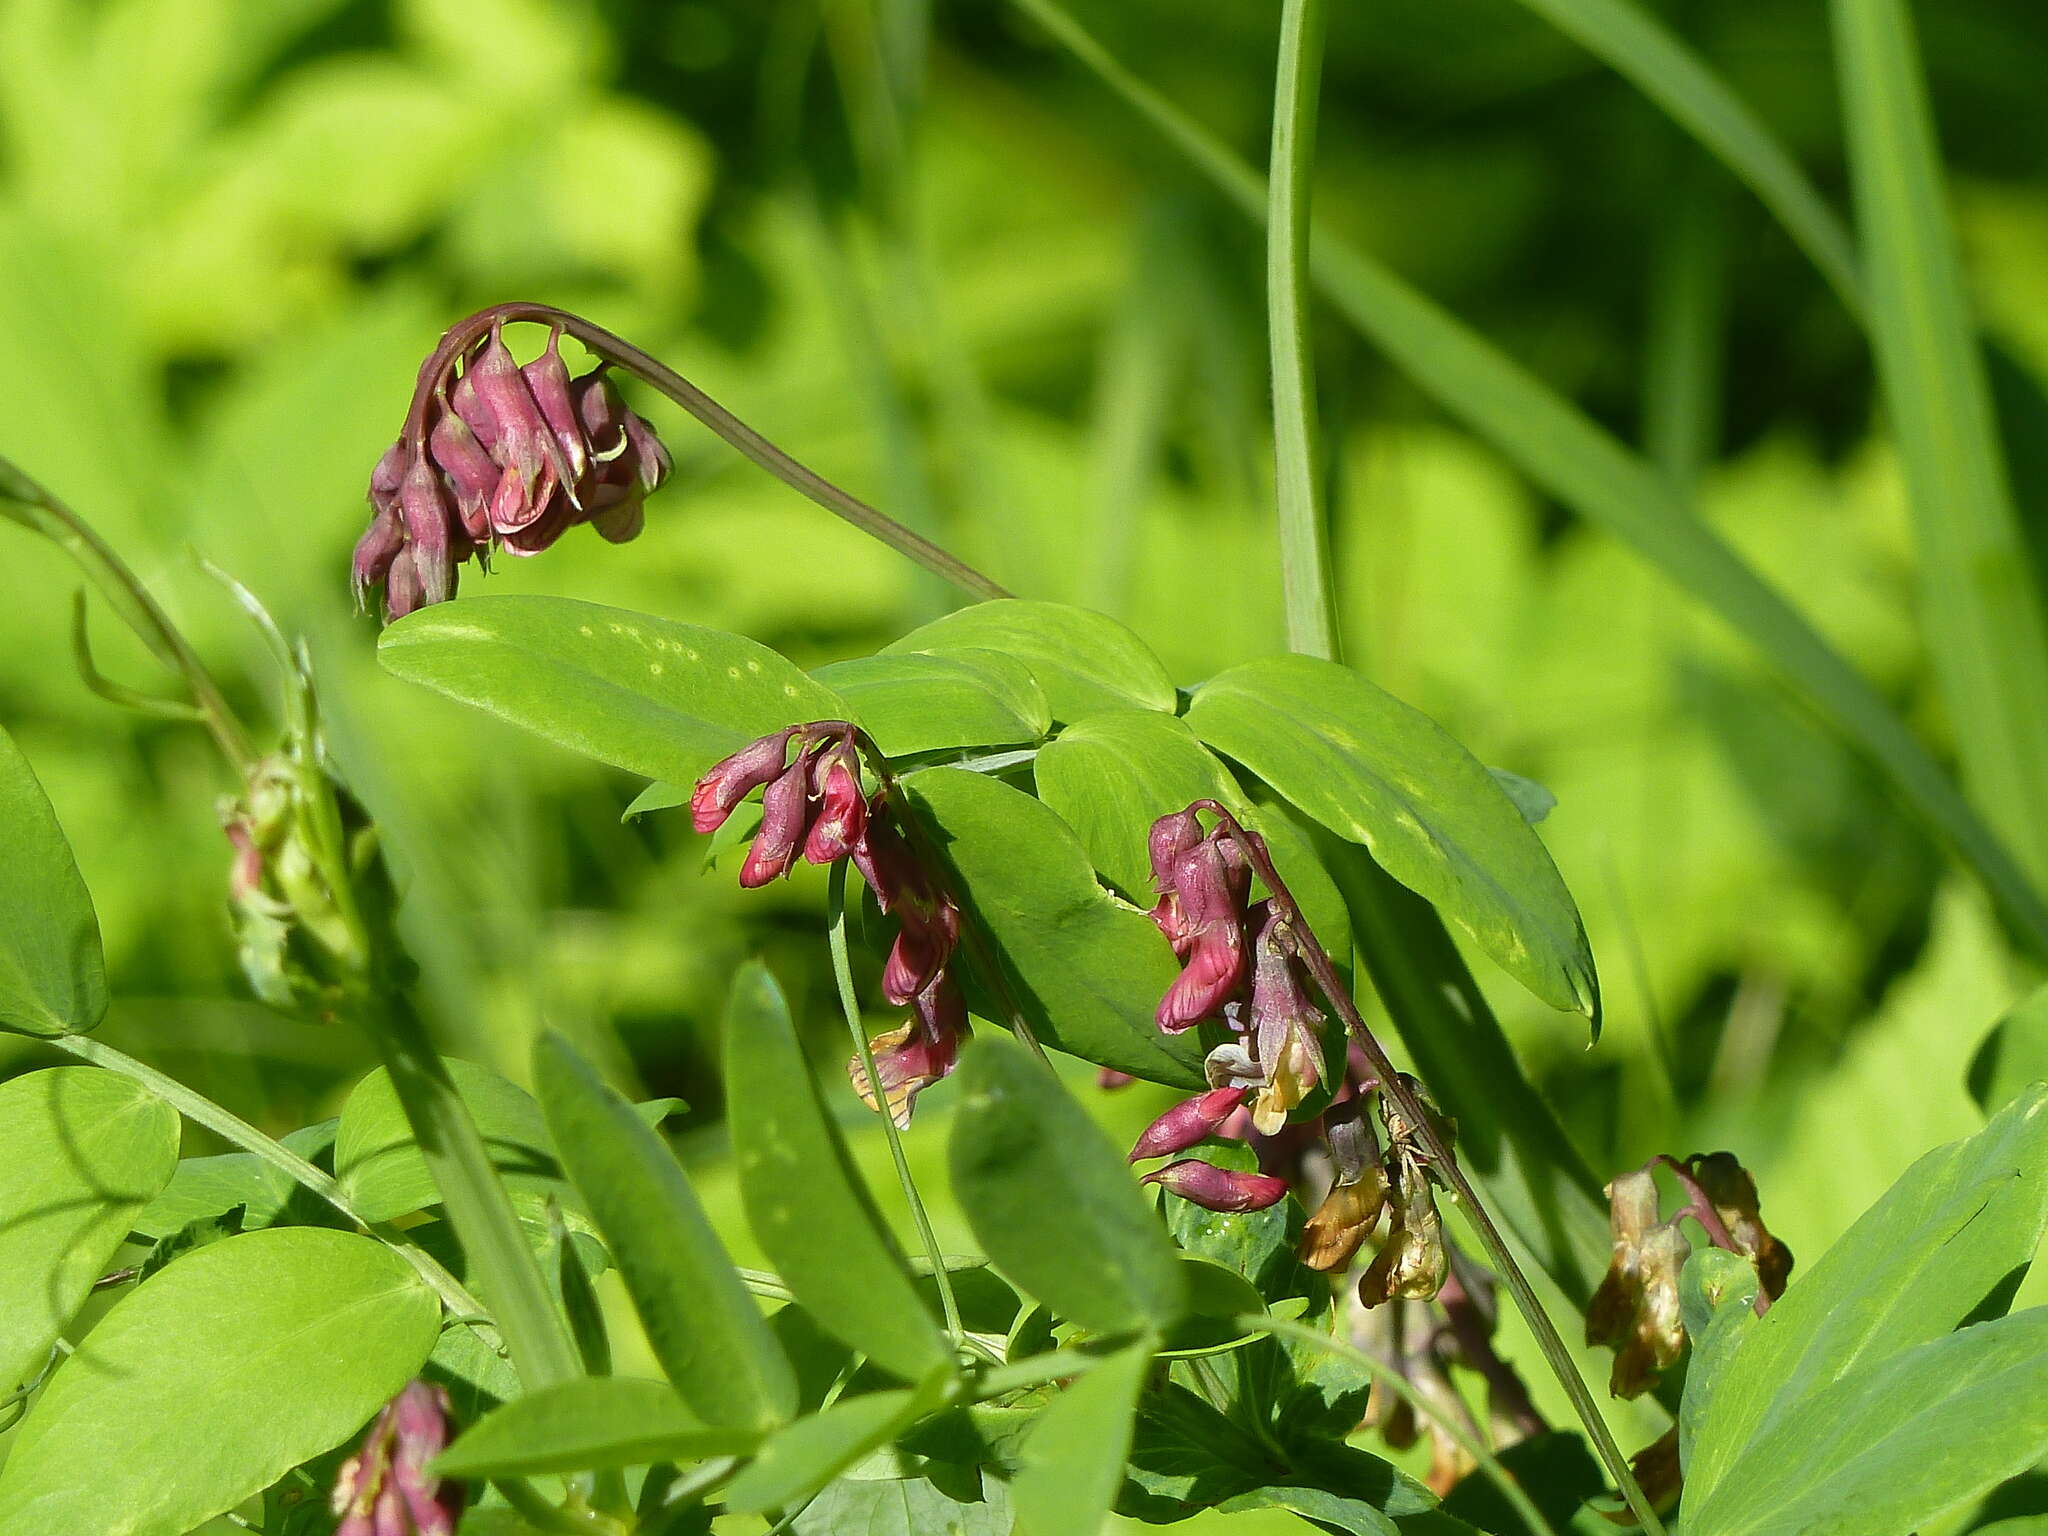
column 81, row 1152
column 651, row 695
column 912, row 702
column 1086, row 969
column 1051, row 1201
column 703, row 1325
column 214, row 1378
column 1859, row 1367
column 806, row 1455
column 805, row 1202
column 591, row 1424
column 2013, row 1055
column 52, row 977
column 1086, row 662
column 1073, row 1462
column 1373, row 770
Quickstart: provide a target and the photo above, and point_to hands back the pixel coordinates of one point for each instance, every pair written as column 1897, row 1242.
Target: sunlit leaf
column 212, row 1379
column 587, row 1425
column 1085, row 661
column 1074, row 1458
column 82, row 1151
column 912, row 702
column 52, row 978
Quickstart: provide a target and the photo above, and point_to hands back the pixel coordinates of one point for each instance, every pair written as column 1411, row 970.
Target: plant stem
column 842, row 975
column 1304, row 539
column 230, row 1127
column 535, row 1332
column 615, row 349
column 1445, row 1166
column 1398, row 1384
column 28, row 503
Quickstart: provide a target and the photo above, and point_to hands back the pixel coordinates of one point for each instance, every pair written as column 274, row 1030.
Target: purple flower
column 785, row 815
column 384, row 1489
column 734, row 778
column 1285, row 1024
column 923, row 944
column 1188, row 1122
column 842, row 808
column 1218, row 1189
column 1202, row 915
column 914, row 1055
column 502, row 457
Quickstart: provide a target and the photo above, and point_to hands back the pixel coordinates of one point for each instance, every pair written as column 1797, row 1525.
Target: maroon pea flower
column 385, row 1489
column 1187, row 1123
column 923, row 944
column 1203, row 917
column 734, row 778
column 843, row 809
column 785, row 816
column 1218, row 1189
column 914, row 1055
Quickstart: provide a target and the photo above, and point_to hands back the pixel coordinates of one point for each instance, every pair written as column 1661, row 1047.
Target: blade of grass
column 1639, row 48
column 1304, row 539
column 1985, row 626
column 1563, row 450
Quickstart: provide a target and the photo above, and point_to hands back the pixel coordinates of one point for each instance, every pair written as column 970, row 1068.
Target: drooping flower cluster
column 1239, row 964
column 1636, row 1310
column 385, row 1489
column 813, row 806
column 505, row 457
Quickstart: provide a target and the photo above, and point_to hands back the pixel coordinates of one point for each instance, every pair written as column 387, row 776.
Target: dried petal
column 1218, row 1189
column 1332, row 1237
column 1412, row 1262
column 1733, row 1193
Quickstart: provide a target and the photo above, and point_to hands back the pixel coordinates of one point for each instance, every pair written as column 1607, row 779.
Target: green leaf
column 214, row 1378
column 591, row 1424
column 377, row 1160
column 1895, row 1443
column 1112, row 775
column 1074, row 1459
column 1374, row 771
column 209, row 1186
column 1051, row 1200
column 653, row 696
column 805, row 1202
column 1945, row 1243
column 82, row 1151
column 2013, row 1055
column 1638, row 46
column 1087, row 970
column 1987, row 637
column 1085, row 661
column 811, row 1452
column 911, row 702
column 52, row 976
column 1217, row 1297
column 701, row 1322
column 913, row 1506
column 1717, row 1291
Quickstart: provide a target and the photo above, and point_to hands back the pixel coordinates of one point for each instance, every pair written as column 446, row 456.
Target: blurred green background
column 917, row 246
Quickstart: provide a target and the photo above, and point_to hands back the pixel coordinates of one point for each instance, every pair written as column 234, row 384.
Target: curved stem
column 29, row 503
column 232, row 1128
column 1445, row 1166
column 464, row 334
column 842, row 975
column 1398, row 1384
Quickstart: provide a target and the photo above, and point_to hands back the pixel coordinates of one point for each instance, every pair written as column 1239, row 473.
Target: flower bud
column 923, row 944
column 732, row 779
column 1214, row 971
column 403, row 590
column 524, row 448
column 1108, row 1079
column 1171, row 838
column 1187, row 1123
column 385, row 1489
column 547, row 378
column 470, row 472
column 379, row 546
column 425, row 509
column 843, row 811
column 1218, row 1189
column 785, row 813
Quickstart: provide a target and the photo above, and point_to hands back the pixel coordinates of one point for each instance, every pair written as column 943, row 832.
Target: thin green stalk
column 535, row 1332
column 1399, row 1385
column 842, row 974
column 28, row 503
column 542, row 1515
column 1304, row 540
column 232, row 1128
